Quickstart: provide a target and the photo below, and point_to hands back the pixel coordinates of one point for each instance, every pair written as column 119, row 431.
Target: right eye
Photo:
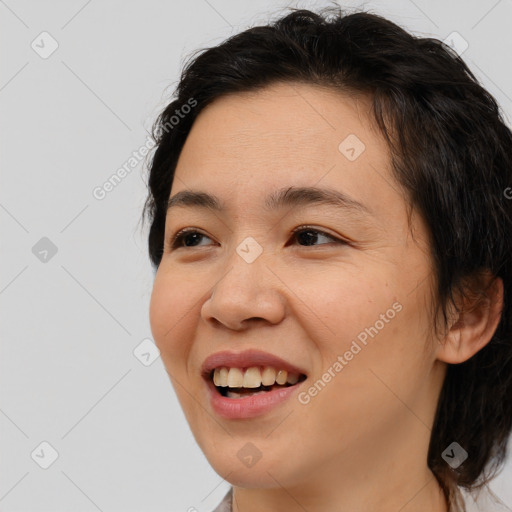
column 182, row 237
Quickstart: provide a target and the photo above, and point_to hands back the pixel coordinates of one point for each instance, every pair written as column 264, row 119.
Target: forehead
column 298, row 121
column 246, row 145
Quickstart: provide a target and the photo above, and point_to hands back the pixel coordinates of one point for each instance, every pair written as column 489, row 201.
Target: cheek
column 374, row 325
column 342, row 303
column 384, row 362
column 173, row 313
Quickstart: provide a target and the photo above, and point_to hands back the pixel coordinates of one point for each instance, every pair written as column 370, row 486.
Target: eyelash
column 180, row 235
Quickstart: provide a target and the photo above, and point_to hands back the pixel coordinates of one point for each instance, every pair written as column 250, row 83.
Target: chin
column 251, row 478
column 242, row 474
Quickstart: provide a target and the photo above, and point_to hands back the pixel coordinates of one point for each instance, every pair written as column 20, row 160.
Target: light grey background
column 70, row 324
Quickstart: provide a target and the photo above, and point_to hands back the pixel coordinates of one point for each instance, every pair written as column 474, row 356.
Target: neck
column 416, row 495
column 385, row 475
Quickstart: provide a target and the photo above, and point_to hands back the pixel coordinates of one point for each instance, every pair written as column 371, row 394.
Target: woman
column 330, row 230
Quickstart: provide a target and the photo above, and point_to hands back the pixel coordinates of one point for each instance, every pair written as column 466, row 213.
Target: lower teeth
column 234, row 394
column 245, row 393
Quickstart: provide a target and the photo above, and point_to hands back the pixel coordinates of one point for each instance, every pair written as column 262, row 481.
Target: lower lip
column 250, row 406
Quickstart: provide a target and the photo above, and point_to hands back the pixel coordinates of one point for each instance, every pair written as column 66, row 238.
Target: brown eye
column 186, row 238
column 308, row 236
column 305, row 235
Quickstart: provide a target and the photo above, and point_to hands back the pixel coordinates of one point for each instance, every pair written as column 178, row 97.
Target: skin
column 361, row 443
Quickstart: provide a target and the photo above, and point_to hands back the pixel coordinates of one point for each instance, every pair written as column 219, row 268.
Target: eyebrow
column 288, row 196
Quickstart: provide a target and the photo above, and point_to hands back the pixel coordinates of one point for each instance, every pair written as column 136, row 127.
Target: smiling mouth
column 251, row 389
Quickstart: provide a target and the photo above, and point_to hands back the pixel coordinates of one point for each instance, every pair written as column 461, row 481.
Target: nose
column 248, row 293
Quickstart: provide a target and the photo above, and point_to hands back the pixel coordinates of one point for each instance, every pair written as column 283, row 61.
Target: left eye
column 310, row 235
column 305, row 235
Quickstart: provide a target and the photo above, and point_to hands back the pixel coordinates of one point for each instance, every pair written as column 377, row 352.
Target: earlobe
column 474, row 326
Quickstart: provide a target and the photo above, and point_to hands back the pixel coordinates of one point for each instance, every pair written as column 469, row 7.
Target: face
column 344, row 299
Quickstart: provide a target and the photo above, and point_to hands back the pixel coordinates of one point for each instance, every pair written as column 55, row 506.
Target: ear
column 474, row 326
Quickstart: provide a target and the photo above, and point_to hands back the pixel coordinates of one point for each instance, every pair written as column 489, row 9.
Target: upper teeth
column 253, row 377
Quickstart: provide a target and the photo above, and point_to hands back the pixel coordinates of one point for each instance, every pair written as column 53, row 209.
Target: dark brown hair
column 451, row 155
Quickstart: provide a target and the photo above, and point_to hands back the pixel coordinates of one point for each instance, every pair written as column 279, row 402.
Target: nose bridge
column 246, row 267
column 246, row 288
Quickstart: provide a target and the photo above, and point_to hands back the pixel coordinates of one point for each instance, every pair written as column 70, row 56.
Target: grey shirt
column 481, row 502
column 227, row 502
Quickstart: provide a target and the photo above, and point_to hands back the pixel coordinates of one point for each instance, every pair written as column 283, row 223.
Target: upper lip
column 246, row 359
